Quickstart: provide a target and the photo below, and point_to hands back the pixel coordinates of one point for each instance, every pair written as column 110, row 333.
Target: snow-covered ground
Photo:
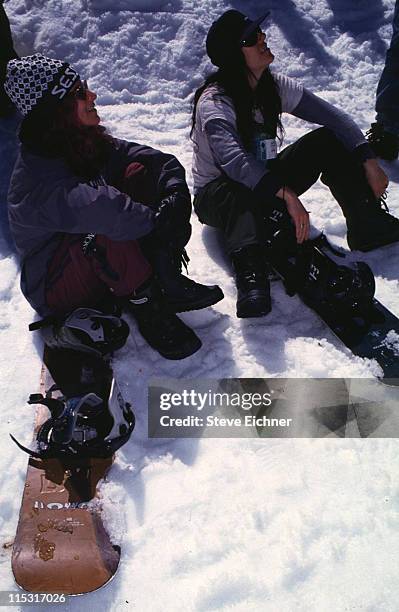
column 219, row 524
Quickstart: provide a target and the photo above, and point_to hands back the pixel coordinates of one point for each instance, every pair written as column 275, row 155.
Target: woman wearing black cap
column 238, row 174
column 79, row 201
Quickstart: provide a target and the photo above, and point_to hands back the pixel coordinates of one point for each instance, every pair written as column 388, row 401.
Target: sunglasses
column 251, row 39
column 81, row 91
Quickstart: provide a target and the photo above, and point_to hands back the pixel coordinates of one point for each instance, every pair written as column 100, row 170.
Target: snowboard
column 373, row 335
column 61, row 544
column 360, row 321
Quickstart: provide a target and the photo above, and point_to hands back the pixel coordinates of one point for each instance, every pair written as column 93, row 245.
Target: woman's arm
column 233, row 160
column 231, row 157
column 166, row 172
column 316, row 110
column 77, row 207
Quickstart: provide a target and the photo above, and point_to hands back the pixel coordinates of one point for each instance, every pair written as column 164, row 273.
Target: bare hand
column 298, row 214
column 376, row 177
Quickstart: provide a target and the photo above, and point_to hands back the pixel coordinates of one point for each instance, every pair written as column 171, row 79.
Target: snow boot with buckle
column 160, row 327
column 182, row 293
column 253, row 287
column 384, row 144
column 372, row 226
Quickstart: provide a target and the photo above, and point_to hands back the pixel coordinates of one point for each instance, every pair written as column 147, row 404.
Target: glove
column 172, row 215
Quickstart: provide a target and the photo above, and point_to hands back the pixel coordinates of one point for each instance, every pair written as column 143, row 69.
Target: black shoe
column 253, row 287
column 160, row 327
column 374, row 228
column 181, row 293
column 189, row 295
column 384, row 144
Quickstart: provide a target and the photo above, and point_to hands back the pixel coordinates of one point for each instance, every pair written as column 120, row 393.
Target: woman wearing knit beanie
column 95, row 217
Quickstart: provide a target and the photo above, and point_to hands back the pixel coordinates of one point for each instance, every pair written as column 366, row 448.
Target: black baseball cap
column 228, row 34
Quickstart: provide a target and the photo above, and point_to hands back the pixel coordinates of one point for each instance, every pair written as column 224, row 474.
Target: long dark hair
column 232, row 81
column 55, row 131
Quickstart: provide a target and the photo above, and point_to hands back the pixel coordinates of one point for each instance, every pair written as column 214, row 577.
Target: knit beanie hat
column 37, row 79
column 226, row 35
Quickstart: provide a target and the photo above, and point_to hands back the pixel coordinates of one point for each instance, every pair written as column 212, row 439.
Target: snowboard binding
column 330, row 285
column 318, row 272
column 85, row 329
column 82, row 426
column 340, row 290
column 88, row 416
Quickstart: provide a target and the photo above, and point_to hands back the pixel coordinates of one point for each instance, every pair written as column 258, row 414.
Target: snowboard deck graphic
column 61, row 545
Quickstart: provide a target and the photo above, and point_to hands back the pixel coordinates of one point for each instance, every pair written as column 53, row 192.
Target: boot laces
column 255, row 277
column 251, row 270
column 375, row 133
column 382, row 202
column 181, row 261
column 184, row 259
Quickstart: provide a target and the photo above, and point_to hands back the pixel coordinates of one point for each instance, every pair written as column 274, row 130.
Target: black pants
column 165, row 256
column 232, row 207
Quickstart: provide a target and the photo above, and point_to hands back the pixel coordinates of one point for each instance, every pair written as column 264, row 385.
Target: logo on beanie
column 65, row 83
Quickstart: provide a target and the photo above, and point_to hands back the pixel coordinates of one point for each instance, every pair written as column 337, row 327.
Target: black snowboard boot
column 253, row 287
column 160, row 327
column 384, row 144
column 181, row 292
column 371, row 226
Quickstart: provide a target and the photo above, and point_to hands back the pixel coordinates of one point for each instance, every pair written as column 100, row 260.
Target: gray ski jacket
column 46, row 200
column 218, row 148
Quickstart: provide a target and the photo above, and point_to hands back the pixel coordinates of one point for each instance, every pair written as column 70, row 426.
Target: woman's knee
column 327, row 139
column 222, row 200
